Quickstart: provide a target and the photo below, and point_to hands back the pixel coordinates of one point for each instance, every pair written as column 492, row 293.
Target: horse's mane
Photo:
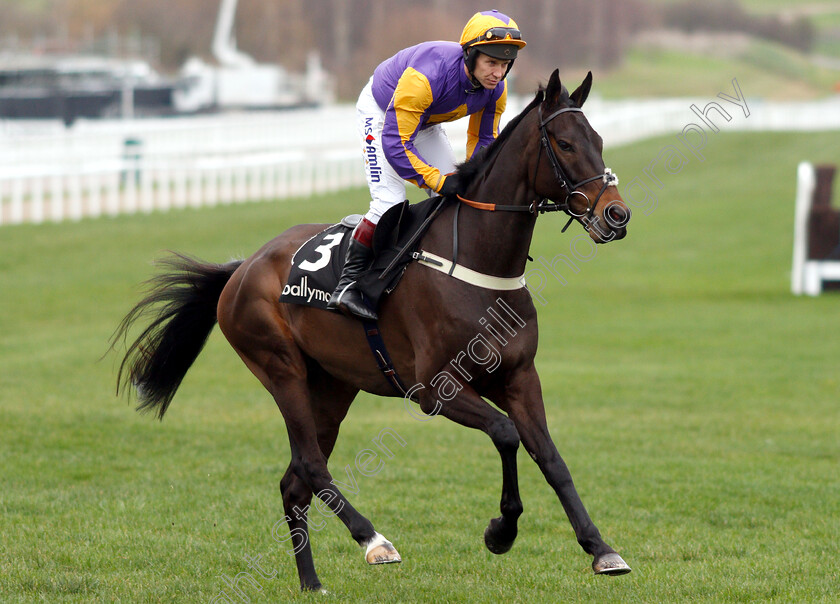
column 468, row 170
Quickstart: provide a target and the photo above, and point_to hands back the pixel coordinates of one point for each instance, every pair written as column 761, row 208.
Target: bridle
column 548, row 205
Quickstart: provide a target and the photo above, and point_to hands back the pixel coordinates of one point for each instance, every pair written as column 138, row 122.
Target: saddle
column 317, row 264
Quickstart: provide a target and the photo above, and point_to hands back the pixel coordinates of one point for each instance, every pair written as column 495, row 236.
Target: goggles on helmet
column 496, row 33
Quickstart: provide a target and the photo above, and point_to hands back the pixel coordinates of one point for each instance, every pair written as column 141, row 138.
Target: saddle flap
column 387, row 232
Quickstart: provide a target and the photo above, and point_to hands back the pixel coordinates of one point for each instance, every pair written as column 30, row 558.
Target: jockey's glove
column 450, row 185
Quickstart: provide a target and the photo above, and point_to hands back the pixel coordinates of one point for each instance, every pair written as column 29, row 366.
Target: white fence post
column 211, row 185
column 57, row 198
column 240, row 184
column 226, row 184
column 94, row 205
column 75, row 184
column 163, row 186
column 113, row 186
column 36, row 212
column 194, row 179
column 180, row 186
column 147, row 199
column 16, row 207
column 130, row 194
column 805, row 183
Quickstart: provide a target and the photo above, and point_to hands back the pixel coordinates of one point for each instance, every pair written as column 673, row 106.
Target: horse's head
column 570, row 167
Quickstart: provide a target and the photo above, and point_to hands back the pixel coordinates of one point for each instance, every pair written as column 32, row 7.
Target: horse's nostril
column 617, row 215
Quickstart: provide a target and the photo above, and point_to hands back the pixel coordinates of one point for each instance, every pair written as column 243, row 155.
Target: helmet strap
column 470, row 57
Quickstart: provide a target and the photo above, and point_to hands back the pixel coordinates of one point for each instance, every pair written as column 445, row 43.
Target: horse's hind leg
column 258, row 330
column 330, row 401
column 309, row 464
column 296, row 499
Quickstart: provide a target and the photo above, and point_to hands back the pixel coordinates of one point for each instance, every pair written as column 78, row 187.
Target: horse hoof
column 381, row 551
column 610, row 564
column 495, row 545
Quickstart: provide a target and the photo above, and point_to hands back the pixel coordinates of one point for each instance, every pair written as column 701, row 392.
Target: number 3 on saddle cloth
column 317, row 264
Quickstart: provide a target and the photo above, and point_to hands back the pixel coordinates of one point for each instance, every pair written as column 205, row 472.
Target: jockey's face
column 489, row 71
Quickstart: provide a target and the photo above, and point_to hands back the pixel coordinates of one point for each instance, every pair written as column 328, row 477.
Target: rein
column 545, row 204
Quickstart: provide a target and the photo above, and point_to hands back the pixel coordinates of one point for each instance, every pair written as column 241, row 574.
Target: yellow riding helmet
column 492, row 33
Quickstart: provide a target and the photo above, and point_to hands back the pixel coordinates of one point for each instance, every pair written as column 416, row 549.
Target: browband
column 558, row 112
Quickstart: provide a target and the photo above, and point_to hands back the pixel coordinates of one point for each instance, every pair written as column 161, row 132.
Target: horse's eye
column 564, row 146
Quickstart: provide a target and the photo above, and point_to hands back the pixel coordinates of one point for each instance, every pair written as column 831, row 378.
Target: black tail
column 182, row 305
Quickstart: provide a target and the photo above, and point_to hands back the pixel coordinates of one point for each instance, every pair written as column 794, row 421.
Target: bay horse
column 314, row 362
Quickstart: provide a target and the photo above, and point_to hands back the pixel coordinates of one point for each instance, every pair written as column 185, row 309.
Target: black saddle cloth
column 317, row 264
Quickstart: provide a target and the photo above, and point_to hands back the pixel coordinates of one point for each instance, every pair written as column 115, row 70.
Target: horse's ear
column 579, row 95
column 554, row 90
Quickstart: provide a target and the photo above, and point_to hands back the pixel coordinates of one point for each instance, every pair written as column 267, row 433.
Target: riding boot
column 346, row 297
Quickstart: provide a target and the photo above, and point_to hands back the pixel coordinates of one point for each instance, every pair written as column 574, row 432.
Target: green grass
column 694, row 398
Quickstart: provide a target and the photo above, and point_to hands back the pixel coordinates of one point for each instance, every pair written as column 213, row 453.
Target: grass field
column 687, row 64
column 774, row 72
column 694, row 398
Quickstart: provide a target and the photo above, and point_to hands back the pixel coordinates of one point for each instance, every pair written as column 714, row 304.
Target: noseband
column 548, row 205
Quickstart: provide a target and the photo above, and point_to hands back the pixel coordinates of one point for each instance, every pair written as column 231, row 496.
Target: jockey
column 399, row 116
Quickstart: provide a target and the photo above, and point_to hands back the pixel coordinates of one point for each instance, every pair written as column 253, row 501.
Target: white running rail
column 49, row 173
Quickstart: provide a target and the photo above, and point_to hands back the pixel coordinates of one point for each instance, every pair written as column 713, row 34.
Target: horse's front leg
column 524, row 404
column 469, row 409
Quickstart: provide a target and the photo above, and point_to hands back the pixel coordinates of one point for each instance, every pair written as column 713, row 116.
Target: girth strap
column 462, row 273
column 383, row 359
